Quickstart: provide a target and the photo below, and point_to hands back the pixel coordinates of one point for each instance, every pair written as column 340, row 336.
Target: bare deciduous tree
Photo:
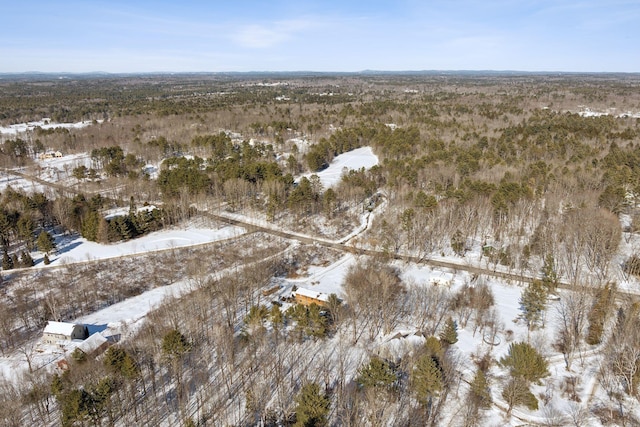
column 375, row 295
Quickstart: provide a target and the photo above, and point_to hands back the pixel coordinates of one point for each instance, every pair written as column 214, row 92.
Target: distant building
column 55, row 332
column 307, row 297
column 269, row 291
column 50, row 155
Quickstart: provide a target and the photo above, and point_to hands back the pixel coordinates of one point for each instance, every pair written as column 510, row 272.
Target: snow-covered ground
column 45, row 123
column 588, row 112
column 126, row 316
column 19, row 184
column 351, row 160
column 78, row 249
column 118, row 318
column 54, row 170
column 66, row 164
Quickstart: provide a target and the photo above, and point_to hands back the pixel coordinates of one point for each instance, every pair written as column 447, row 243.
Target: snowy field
column 19, row 184
column 78, row 249
column 588, row 112
column 352, row 160
column 54, row 170
column 13, row 130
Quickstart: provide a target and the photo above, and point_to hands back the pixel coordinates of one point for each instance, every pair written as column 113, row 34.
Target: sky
column 313, row 35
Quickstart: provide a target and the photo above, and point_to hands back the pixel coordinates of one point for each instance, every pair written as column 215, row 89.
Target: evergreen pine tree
column 14, row 261
column 90, row 226
column 25, row 227
column 312, row 407
column 458, row 243
column 480, row 390
column 175, row 345
column 549, row 275
column 524, row 361
column 276, row 317
column 317, row 321
column 57, row 385
column 124, row 227
column 533, row 303
column 45, row 242
column 433, row 347
column 449, row 334
column 26, row 260
column 73, row 407
column 378, row 373
column 426, row 380
column 598, row 314
column 118, row 360
column 79, row 356
column 7, row 262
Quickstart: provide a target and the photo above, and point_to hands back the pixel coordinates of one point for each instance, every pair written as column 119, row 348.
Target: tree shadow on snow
column 63, row 249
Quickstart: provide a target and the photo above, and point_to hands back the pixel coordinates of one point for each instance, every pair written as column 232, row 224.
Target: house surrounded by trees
column 307, row 297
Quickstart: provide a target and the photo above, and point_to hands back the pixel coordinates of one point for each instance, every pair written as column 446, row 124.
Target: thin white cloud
column 264, row 36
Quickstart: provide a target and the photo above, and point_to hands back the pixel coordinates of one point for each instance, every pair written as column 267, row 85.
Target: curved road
column 341, row 245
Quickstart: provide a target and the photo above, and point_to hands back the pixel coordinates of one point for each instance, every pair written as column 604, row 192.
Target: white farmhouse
column 55, row 332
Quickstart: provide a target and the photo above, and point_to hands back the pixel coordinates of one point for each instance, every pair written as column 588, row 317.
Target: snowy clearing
column 66, row 164
column 78, row 249
column 352, row 160
column 44, row 124
column 588, row 112
column 19, row 184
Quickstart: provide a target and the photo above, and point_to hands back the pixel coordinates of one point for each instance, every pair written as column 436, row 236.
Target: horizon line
column 366, row 71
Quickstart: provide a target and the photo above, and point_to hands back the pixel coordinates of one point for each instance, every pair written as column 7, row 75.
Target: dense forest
column 535, row 176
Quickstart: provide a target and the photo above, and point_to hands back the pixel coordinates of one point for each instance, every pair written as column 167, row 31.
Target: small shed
column 55, row 332
column 307, row 297
column 270, row 291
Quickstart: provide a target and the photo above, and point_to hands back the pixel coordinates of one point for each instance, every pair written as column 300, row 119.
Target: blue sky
column 314, row 35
